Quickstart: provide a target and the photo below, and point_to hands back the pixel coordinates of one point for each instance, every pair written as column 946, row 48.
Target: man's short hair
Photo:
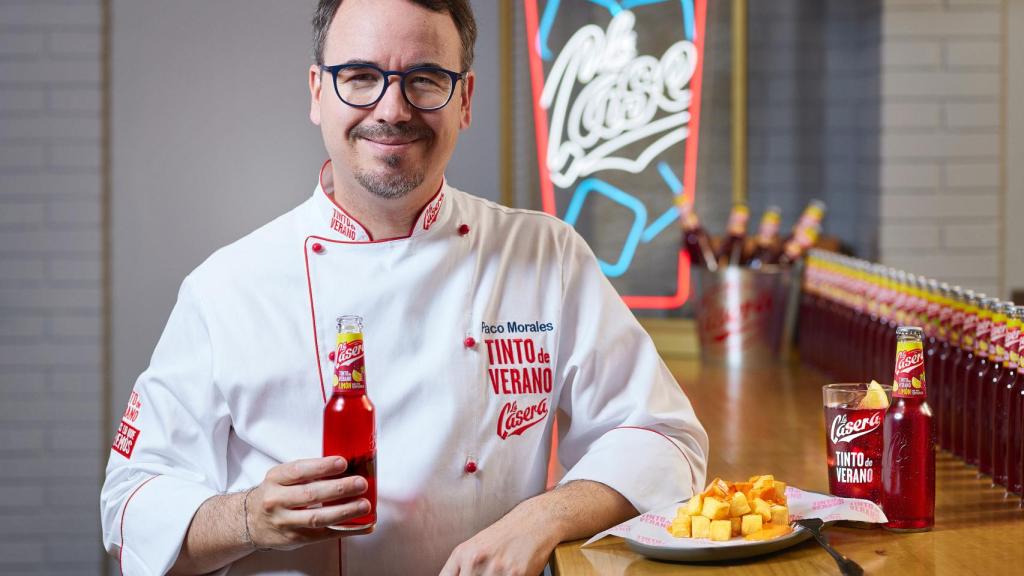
column 459, row 10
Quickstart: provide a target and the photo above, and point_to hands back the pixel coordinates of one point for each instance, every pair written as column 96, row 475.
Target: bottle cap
column 911, row 331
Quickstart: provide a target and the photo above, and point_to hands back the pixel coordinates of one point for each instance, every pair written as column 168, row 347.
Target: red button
column 318, row 247
column 470, row 467
column 331, row 356
column 469, row 342
column 464, row 229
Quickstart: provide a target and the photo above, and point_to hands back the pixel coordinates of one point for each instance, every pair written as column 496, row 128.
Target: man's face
column 390, row 149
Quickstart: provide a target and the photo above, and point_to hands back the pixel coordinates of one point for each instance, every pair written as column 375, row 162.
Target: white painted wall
column 50, row 287
column 1013, row 214
column 941, row 151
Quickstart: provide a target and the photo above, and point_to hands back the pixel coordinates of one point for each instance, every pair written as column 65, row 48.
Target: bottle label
column 997, row 337
column 970, row 322
column 908, row 378
column 981, row 336
column 1011, row 344
column 349, row 369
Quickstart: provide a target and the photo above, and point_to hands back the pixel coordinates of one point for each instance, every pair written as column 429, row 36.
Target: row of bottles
column 849, row 312
column 768, row 248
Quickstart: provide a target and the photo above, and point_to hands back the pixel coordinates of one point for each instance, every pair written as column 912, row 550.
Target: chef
column 483, row 325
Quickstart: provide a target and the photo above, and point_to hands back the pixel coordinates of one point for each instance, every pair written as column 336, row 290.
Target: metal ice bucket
column 742, row 315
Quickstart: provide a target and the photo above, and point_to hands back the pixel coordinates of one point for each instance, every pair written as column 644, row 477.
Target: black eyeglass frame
column 387, row 74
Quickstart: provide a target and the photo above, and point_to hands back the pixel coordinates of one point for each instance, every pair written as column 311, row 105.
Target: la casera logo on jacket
column 519, row 373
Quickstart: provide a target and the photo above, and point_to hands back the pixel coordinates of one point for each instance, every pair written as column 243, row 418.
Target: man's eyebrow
column 421, row 64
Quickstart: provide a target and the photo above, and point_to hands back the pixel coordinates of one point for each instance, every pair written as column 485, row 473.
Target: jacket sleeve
column 627, row 423
column 169, row 451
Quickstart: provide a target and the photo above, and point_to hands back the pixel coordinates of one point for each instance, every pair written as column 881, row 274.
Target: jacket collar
column 334, row 222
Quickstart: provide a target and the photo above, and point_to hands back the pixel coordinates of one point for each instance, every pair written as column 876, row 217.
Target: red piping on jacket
column 124, row 511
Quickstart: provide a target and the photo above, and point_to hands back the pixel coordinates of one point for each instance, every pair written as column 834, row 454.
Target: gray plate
column 731, row 551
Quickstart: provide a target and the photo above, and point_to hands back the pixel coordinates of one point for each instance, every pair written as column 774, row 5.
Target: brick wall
column 50, row 286
column 941, row 142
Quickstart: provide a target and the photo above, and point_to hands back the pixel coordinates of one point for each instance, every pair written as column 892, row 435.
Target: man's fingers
column 328, row 515
column 302, row 471
column 320, row 491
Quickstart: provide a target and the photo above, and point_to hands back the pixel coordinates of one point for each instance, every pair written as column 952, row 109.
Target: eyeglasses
column 424, row 87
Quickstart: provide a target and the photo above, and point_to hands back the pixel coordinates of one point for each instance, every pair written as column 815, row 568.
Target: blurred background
column 137, row 136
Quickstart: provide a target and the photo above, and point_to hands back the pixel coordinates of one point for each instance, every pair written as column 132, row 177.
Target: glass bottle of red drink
column 730, row 253
column 1015, row 443
column 881, row 329
column 964, row 356
column 951, row 319
column 861, row 316
column 1004, row 392
column 974, row 372
column 988, row 397
column 900, row 315
column 929, row 293
column 871, row 297
column 695, row 238
column 767, row 239
column 908, row 451
column 349, row 419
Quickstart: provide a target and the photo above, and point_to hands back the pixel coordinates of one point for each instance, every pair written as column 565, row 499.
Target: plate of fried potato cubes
column 729, row 520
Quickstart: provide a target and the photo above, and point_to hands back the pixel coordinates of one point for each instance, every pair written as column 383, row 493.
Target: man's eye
column 361, row 78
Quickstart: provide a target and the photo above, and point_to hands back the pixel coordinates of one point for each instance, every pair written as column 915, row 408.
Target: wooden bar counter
column 770, row 420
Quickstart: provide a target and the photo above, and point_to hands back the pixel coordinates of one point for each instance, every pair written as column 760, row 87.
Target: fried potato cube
column 715, row 509
column 717, row 488
column 738, row 506
column 765, row 481
column 680, row 527
column 700, row 527
column 737, row 525
column 751, row 523
column 780, row 490
column 721, row 530
column 780, row 515
column 766, row 494
column 763, row 508
column 743, row 486
column 693, row 507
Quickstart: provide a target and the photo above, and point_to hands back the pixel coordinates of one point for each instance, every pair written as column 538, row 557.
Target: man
column 481, row 321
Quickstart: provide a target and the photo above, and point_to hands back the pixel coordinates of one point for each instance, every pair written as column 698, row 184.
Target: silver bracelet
column 245, row 516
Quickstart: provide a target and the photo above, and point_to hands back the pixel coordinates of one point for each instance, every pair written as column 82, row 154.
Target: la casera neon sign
column 604, row 110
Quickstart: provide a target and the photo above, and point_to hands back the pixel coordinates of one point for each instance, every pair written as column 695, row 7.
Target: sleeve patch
column 125, row 439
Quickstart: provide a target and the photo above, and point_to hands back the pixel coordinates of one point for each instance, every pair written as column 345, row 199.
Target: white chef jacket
column 480, row 325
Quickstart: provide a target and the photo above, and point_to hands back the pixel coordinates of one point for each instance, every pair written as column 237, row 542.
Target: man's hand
column 522, row 541
column 511, row 546
column 279, row 513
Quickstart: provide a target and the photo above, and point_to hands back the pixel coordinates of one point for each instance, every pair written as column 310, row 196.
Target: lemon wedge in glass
column 875, row 399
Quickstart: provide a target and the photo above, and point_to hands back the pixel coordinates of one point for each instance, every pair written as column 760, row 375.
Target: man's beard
column 389, row 183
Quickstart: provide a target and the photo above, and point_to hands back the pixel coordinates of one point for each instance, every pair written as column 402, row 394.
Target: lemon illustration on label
column 915, row 383
column 357, row 375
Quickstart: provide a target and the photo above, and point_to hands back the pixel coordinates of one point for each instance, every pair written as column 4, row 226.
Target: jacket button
column 463, row 229
column 331, row 356
column 469, row 342
column 318, row 247
column 470, row 467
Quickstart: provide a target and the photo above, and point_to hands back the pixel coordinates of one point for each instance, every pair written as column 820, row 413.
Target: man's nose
column 393, row 107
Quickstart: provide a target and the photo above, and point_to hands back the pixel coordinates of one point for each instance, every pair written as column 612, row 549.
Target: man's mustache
column 381, row 131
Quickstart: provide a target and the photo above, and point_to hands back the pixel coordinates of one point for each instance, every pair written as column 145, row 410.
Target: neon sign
column 608, row 118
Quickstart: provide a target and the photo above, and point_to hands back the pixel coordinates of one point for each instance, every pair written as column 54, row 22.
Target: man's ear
column 466, row 106
column 315, row 90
